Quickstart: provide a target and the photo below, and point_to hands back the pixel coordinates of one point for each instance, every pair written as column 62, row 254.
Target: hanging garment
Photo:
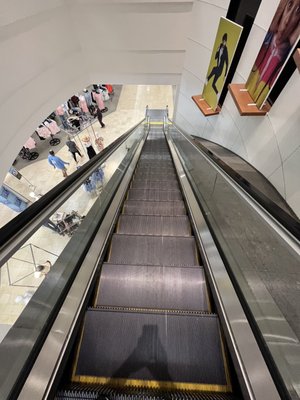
column 83, row 104
column 88, row 98
column 43, row 131
column 75, row 100
column 99, row 100
column 60, row 110
column 30, row 144
column 109, row 88
column 104, row 93
column 52, row 125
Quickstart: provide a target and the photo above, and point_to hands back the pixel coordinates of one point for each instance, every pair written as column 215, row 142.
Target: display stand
column 244, row 101
column 296, row 57
column 204, row 107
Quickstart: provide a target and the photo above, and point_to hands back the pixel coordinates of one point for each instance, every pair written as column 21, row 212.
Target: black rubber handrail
column 290, row 222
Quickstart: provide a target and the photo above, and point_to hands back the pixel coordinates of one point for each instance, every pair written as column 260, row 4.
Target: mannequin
column 99, row 143
column 87, row 96
column 89, row 146
column 60, row 111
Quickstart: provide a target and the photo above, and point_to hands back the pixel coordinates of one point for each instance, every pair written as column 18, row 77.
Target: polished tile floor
column 18, row 279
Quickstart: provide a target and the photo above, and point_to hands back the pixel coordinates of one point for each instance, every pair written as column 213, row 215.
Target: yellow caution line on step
column 151, row 384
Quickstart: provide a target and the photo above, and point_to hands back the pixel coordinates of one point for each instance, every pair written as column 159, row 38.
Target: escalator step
column 154, row 195
column 161, row 185
column 148, row 287
column 154, row 225
column 156, row 157
column 165, row 349
column 170, row 208
column 155, row 167
column 155, row 176
column 153, row 250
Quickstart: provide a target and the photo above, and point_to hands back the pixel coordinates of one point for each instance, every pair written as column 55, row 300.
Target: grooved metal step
column 155, row 176
column 153, row 167
column 154, row 225
column 152, row 287
column 153, row 250
column 156, row 157
column 75, row 391
column 165, row 348
column 170, row 208
column 154, row 195
column 165, row 185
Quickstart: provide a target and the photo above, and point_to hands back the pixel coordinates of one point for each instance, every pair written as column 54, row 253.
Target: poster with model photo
column 226, row 41
column 280, row 40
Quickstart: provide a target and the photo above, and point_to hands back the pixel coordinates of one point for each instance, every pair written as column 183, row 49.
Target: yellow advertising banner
column 226, row 41
column 280, row 40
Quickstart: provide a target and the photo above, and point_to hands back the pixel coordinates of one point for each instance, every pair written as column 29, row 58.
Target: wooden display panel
column 297, row 58
column 244, row 101
column 204, row 107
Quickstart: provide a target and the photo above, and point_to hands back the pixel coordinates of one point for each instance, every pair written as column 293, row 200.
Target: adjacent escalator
column 150, row 329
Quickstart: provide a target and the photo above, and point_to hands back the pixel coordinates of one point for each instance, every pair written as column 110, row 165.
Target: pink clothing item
column 99, row 100
column 60, row 110
column 30, row 144
column 52, row 126
column 43, row 131
column 83, row 105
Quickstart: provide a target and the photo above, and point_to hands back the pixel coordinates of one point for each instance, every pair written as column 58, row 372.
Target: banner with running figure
column 226, row 41
column 280, row 40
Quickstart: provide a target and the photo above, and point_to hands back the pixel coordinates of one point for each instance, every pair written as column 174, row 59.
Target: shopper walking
column 73, row 149
column 57, row 163
column 100, row 117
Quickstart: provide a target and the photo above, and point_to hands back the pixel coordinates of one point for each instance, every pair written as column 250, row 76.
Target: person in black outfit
column 72, row 146
column 222, row 58
column 99, row 116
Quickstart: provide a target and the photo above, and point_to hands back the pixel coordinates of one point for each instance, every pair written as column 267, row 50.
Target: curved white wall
column 270, row 143
column 52, row 48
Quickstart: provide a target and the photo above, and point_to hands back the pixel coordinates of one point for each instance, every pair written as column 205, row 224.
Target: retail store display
column 44, row 131
column 67, row 223
column 26, row 153
column 89, row 146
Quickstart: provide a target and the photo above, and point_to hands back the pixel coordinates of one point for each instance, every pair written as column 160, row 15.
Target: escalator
column 151, row 330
